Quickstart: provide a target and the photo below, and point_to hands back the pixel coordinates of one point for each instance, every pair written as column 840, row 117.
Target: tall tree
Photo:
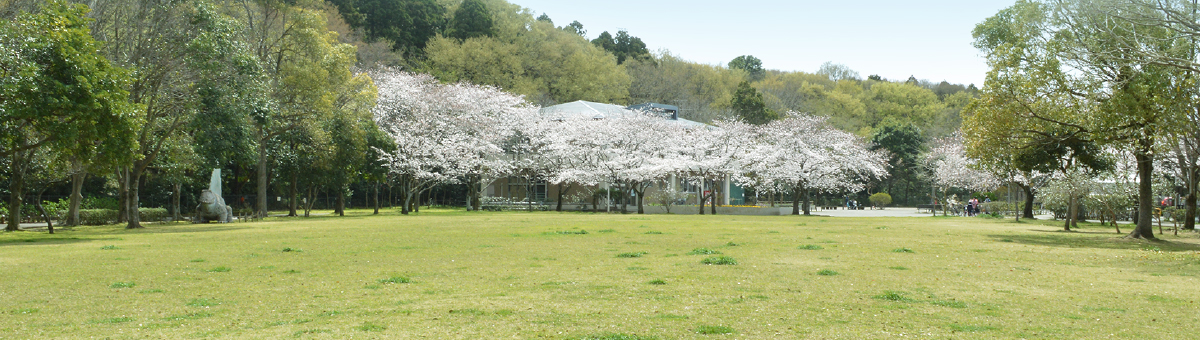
column 623, row 46
column 904, row 143
column 748, row 104
column 750, row 64
column 57, row 92
column 472, row 19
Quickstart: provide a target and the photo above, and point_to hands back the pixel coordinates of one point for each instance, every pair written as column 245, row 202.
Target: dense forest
column 275, row 94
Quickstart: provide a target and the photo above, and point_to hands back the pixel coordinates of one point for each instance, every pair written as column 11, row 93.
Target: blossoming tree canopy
column 803, row 152
column 445, row 132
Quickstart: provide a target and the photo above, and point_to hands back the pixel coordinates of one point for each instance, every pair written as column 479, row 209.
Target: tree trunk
column 261, row 207
column 293, row 194
column 122, row 195
column 1027, row 211
column 16, row 186
column 341, row 201
column 796, row 201
column 807, row 209
column 558, row 207
column 476, row 192
column 1189, row 222
column 37, row 203
column 308, row 203
column 1145, row 169
column 712, row 193
column 176, row 197
column 639, row 198
column 135, row 218
column 376, row 199
column 76, row 197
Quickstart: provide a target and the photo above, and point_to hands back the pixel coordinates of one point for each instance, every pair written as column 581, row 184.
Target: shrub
column 97, row 216
column 720, row 260
column 152, row 214
column 881, row 199
column 99, row 203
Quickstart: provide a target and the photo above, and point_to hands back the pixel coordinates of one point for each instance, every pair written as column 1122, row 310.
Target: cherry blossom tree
column 445, row 133
column 801, row 153
column 950, row 168
column 712, row 154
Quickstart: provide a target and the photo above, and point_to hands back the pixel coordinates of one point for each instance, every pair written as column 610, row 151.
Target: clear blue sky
column 930, row 39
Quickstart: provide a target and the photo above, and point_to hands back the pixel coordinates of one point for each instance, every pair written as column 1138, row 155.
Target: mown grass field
column 456, row 275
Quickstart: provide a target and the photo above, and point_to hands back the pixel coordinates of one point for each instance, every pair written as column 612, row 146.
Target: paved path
column 886, row 212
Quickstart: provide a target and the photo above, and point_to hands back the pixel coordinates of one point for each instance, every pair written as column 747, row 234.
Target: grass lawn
column 444, row 274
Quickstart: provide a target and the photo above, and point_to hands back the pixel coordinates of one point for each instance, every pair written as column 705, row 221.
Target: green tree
column 623, row 46
column 59, row 94
column 750, row 64
column 546, row 64
column 472, row 20
column 408, row 24
column 748, row 104
column 904, row 143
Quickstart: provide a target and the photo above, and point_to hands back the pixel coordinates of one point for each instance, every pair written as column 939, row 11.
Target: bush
column 152, row 214
column 881, row 199
column 97, row 216
column 99, row 203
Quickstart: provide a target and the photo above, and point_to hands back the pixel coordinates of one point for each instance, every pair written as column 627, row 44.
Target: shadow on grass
column 45, row 239
column 1093, row 239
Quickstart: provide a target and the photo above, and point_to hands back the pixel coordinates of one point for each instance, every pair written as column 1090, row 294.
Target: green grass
column 632, row 255
column 122, row 285
column 720, row 260
column 811, row 247
column 703, row 251
column 967, row 278
column 706, row 329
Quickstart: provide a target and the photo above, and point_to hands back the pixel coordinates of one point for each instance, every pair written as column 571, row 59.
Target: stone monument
column 212, row 207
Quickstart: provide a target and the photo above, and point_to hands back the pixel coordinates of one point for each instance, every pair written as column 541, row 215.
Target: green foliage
column 750, row 64
column 473, row 20
column 624, row 46
column 57, row 90
column 546, row 64
column 408, row 24
column 880, row 199
column 748, row 104
column 153, row 214
column 97, row 216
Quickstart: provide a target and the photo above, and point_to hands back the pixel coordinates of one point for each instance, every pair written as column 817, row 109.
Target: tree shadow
column 1095, row 239
column 46, row 239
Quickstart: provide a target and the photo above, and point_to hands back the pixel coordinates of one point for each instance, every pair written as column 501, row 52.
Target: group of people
column 973, row 205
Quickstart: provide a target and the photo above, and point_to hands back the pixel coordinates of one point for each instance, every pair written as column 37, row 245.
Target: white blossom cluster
column 445, row 133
